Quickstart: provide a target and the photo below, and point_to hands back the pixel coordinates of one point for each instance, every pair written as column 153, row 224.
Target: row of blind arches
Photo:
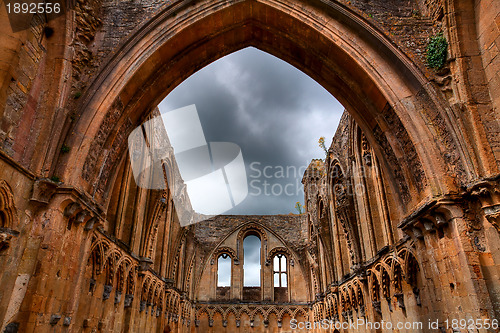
column 252, row 266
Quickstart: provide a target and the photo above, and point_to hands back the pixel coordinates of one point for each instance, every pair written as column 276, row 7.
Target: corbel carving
column 377, row 307
column 80, row 217
column 107, row 292
column 71, row 209
column 389, row 303
column 94, row 221
column 144, row 264
column 118, row 297
column 54, row 319
column 6, row 235
column 492, row 214
column 43, row 190
column 400, row 300
column 416, row 292
column 128, row 300
column 4, row 240
column 487, row 193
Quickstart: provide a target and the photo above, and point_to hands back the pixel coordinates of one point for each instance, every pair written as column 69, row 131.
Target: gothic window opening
column 280, row 278
column 280, row 273
column 224, row 270
column 251, row 267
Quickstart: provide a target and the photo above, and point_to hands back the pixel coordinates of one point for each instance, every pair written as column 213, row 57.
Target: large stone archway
column 405, row 118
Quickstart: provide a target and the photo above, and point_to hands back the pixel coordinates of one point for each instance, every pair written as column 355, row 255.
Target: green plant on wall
column 437, row 51
column 322, row 145
column 65, row 149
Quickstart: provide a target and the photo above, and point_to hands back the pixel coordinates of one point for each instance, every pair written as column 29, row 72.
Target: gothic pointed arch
column 383, row 94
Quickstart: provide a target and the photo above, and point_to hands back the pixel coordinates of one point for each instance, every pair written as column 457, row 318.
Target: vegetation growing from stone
column 299, row 207
column 437, row 51
column 322, row 145
column 65, row 149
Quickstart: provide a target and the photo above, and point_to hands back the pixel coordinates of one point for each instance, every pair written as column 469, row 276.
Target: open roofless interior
column 400, row 217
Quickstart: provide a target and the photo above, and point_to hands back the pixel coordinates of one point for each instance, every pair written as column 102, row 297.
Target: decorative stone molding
column 377, row 307
column 92, row 285
column 487, row 193
column 366, row 150
column 106, row 292
column 43, row 191
column 72, row 209
column 54, row 319
column 227, row 250
column 400, row 300
column 142, row 306
column 128, row 300
column 91, row 223
column 144, row 264
column 362, row 312
column 118, row 297
column 432, row 217
column 277, row 250
column 77, row 207
column 389, row 303
column 416, row 292
column 4, row 240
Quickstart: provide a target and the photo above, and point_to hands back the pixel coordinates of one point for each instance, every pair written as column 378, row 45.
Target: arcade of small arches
column 402, row 217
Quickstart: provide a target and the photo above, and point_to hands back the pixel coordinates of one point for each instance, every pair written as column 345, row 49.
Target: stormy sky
column 272, row 111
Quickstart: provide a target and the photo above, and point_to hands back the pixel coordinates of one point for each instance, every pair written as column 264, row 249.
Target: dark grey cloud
column 273, row 111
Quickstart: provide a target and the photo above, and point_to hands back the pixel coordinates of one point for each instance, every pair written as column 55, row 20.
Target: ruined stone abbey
column 401, row 221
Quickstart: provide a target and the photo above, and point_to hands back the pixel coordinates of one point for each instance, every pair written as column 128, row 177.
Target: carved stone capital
column 492, row 214
column 144, row 264
column 43, row 190
column 107, row 292
column 4, row 240
column 377, row 307
column 400, row 300
column 128, row 300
